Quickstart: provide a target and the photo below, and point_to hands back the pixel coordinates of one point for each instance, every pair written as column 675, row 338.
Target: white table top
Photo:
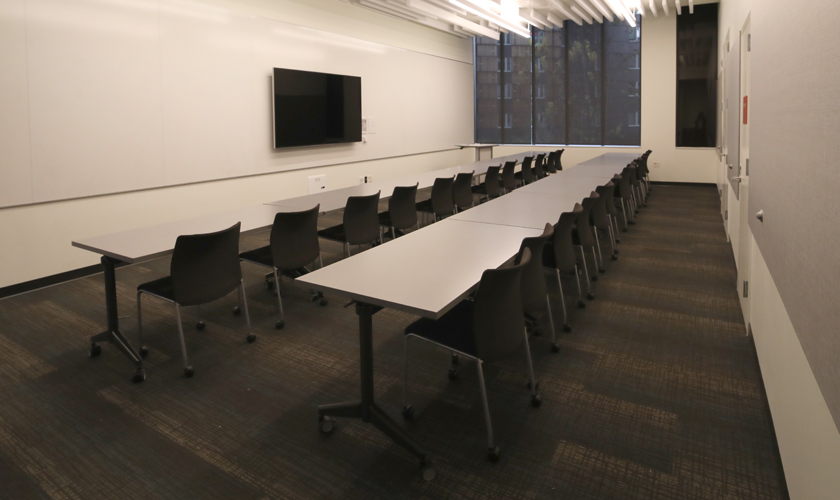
column 136, row 245
column 425, row 272
column 611, row 159
column 477, row 145
column 337, row 199
column 566, row 182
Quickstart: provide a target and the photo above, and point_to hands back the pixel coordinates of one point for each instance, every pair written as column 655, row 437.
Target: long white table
column 337, row 198
column 146, row 243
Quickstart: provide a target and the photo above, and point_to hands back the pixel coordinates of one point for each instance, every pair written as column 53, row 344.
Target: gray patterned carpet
column 656, row 393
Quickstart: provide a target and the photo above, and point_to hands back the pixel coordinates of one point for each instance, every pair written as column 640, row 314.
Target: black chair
column 526, row 175
column 402, row 210
column 204, row 268
column 539, row 172
column 492, row 185
column 486, row 329
column 558, row 164
column 509, row 176
column 583, row 238
column 293, row 244
column 462, row 194
column 442, row 203
column 535, row 301
column 604, row 217
column 559, row 255
column 550, row 167
column 625, row 196
column 638, row 181
column 361, row 223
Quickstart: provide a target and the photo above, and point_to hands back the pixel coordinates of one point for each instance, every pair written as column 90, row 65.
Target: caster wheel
column 615, row 257
column 144, row 351
column 453, row 374
column 237, row 311
column 189, row 372
column 536, row 401
column 200, row 325
column 455, row 360
column 251, row 338
column 323, row 302
column 326, row 424
column 279, row 324
column 567, row 328
column 494, row 453
column 581, row 304
column 408, row 412
column 95, row 350
column 139, row 376
column 594, row 277
column 602, row 270
column 428, row 472
column 528, row 384
column 555, row 348
column 590, row 296
column 617, row 240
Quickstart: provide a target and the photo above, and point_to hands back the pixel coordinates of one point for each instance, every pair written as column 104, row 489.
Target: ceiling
column 468, row 18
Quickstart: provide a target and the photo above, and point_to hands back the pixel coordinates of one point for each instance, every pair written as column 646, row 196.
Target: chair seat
column 261, row 256
column 454, row 329
column 385, row 219
column 161, row 287
column 335, row 233
column 482, row 188
column 425, row 206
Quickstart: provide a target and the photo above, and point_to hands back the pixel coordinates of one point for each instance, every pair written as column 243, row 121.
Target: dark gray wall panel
column 794, row 176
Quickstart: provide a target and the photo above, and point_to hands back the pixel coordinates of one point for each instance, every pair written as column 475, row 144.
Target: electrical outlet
column 369, row 178
column 317, row 183
column 362, row 179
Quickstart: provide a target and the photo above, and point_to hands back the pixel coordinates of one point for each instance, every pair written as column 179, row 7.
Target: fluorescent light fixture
column 493, row 18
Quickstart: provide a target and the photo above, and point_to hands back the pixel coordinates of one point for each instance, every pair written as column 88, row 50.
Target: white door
column 745, row 236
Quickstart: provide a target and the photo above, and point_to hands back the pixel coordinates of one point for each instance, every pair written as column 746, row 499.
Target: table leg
column 366, row 410
column 113, row 334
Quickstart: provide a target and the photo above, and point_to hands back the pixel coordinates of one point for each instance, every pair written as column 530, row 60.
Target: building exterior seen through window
column 576, row 85
column 697, row 57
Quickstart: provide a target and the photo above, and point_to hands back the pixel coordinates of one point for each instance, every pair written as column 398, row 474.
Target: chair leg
column 600, row 269
column 598, row 246
column 188, row 370
column 406, row 406
column 535, row 397
column 281, row 322
column 554, row 345
column 453, row 361
column 581, row 303
column 320, row 262
column 251, row 337
column 393, row 233
column 589, row 294
column 566, row 326
column 143, row 349
column 614, row 220
column 624, row 214
column 492, row 450
column 346, row 250
column 199, row 324
column 612, row 241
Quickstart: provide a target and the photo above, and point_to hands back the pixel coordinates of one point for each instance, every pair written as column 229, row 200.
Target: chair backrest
column 509, row 176
column 294, row 239
column 550, row 164
column 462, row 194
column 557, row 159
column 492, row 181
column 583, row 223
column 442, row 196
column 561, row 253
column 600, row 217
column 403, row 207
column 607, row 192
column 527, row 173
column 361, row 219
column 533, row 278
column 205, row 267
column 623, row 189
column 498, row 320
column 538, row 166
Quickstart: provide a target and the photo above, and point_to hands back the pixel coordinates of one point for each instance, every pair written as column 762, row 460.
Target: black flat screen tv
column 316, row 108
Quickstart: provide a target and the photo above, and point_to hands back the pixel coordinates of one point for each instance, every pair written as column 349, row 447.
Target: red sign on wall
column 745, row 110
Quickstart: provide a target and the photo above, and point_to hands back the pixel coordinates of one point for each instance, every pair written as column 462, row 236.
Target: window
column 635, row 33
column 697, row 77
column 584, row 88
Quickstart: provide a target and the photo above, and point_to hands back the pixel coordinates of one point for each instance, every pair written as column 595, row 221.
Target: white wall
column 37, row 237
column 809, row 441
column 658, row 114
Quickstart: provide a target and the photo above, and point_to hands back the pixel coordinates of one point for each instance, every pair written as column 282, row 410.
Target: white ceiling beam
column 691, row 6
column 616, row 7
column 565, row 11
column 556, row 21
column 592, row 12
column 541, row 18
column 641, row 5
column 665, row 7
column 652, row 5
column 526, row 15
column 445, row 5
column 382, row 6
column 449, row 17
column 495, row 18
column 599, row 4
column 678, row 6
column 581, row 14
